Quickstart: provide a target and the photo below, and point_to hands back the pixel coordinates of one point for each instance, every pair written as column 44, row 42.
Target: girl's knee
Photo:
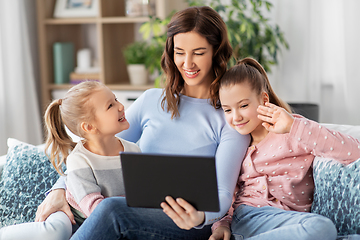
column 329, row 227
column 322, row 228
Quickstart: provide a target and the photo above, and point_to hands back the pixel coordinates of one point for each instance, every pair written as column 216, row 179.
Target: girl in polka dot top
column 275, row 187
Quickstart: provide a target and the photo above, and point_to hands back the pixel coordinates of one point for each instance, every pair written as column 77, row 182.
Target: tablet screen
column 149, row 178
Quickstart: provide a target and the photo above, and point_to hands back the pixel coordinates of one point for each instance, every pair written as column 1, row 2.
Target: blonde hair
column 250, row 71
column 70, row 111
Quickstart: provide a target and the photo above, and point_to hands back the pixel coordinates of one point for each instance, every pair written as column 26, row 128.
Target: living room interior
column 319, row 67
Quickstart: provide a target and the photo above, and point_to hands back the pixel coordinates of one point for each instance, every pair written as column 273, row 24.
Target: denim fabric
column 273, row 223
column 113, row 219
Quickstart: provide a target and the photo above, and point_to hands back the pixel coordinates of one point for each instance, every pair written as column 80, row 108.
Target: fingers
column 227, row 235
column 267, row 126
column 269, row 113
column 268, row 109
column 40, row 217
column 212, row 237
column 189, row 209
column 43, row 213
column 182, row 213
column 221, row 233
column 173, row 210
column 54, row 201
column 215, row 236
column 275, row 119
column 70, row 215
column 175, row 204
column 265, row 119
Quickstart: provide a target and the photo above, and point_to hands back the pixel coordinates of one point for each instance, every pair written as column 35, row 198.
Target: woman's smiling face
column 193, row 57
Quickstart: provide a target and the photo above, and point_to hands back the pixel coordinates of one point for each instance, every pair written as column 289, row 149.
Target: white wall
column 321, row 65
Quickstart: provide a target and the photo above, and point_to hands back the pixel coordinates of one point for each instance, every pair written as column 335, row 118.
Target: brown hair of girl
column 209, row 24
column 70, row 111
column 248, row 70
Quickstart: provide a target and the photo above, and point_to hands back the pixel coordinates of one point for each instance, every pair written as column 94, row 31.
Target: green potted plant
column 154, row 32
column 250, row 33
column 137, row 61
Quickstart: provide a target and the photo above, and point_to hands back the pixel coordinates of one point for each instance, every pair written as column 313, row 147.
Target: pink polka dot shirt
column 278, row 171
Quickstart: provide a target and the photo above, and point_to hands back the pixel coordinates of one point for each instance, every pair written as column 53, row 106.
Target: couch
column 26, row 173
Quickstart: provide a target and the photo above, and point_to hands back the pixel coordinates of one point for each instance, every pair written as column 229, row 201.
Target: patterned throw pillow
column 337, row 194
column 27, row 175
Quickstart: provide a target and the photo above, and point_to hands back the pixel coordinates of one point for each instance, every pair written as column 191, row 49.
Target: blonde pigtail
column 57, row 139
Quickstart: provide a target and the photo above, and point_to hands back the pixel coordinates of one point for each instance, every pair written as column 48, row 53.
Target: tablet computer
column 149, row 178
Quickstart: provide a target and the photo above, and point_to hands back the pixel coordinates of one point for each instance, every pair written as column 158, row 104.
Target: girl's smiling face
column 109, row 112
column 193, row 58
column 240, row 104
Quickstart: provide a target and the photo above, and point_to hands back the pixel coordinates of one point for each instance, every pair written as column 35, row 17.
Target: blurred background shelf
column 106, row 35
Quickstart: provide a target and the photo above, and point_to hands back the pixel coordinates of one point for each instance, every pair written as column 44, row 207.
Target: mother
column 180, row 119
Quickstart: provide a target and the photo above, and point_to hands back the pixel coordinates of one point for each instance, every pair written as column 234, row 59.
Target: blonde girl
column 275, row 186
column 89, row 110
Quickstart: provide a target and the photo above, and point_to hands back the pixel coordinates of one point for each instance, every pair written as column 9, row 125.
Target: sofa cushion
column 26, row 176
column 2, row 163
column 337, row 193
column 352, row 130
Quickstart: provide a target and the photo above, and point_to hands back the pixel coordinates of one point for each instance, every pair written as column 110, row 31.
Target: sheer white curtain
column 322, row 65
column 19, row 105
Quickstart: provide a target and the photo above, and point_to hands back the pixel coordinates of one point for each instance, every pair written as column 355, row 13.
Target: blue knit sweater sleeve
column 229, row 156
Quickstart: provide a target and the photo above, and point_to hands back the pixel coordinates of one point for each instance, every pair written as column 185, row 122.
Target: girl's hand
column 276, row 119
column 184, row 215
column 221, row 233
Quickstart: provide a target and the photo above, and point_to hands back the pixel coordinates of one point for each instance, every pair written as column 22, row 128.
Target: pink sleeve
column 322, row 142
column 89, row 202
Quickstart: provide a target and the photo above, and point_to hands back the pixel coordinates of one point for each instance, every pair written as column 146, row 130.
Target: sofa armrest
column 352, row 130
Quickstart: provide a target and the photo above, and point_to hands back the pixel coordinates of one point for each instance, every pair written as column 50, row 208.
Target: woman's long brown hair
column 209, row 24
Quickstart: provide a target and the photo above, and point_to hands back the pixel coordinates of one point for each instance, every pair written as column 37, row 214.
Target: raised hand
column 184, row 215
column 276, row 119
